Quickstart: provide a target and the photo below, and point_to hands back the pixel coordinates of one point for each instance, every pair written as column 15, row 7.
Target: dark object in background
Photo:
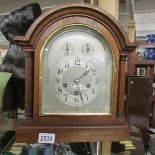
column 139, row 91
column 152, row 144
column 81, row 148
column 25, row 150
column 47, row 149
column 16, row 23
column 117, row 147
column 8, row 137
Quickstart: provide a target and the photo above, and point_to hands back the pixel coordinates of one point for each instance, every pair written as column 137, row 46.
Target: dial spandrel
column 78, row 66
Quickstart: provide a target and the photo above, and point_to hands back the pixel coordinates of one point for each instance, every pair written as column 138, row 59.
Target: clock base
column 28, row 131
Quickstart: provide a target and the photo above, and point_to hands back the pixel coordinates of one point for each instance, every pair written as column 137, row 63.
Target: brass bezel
column 40, row 72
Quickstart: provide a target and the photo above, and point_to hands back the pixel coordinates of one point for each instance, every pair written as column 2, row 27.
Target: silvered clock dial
column 76, row 81
column 76, row 73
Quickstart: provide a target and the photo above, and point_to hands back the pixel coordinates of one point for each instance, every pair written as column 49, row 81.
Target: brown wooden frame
column 73, row 128
column 87, row 120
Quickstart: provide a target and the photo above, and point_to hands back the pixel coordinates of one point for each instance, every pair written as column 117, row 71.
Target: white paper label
column 46, row 138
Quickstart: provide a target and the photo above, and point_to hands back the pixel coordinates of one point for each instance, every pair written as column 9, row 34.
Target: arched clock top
column 72, row 11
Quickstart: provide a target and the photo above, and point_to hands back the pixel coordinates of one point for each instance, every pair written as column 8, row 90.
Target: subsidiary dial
column 87, row 49
column 76, row 81
column 67, row 48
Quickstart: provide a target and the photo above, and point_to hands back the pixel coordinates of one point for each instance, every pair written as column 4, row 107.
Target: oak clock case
column 75, row 76
column 76, row 73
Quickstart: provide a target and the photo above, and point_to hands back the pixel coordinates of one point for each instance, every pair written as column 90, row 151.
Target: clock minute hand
column 84, row 74
column 77, row 83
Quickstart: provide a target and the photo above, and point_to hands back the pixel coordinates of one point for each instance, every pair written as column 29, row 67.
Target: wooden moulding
column 29, row 131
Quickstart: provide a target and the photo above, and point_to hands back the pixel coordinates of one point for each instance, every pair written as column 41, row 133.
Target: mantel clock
column 73, row 76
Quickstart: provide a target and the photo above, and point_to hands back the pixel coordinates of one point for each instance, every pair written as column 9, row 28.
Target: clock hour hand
column 77, row 84
column 80, row 93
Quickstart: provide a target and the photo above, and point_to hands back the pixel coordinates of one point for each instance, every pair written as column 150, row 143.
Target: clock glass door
column 76, row 73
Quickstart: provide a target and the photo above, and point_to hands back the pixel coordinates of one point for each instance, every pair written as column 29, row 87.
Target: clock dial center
column 76, row 81
column 73, row 78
